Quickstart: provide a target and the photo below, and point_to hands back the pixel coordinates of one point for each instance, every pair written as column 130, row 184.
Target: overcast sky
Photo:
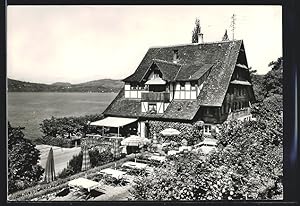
column 81, row 43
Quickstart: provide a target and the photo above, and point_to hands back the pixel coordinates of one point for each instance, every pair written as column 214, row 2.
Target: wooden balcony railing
column 156, row 97
column 239, row 113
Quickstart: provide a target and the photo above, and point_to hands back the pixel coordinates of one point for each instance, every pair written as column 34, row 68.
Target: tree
column 273, row 80
column 270, row 83
column 23, row 170
column 225, row 37
column 196, row 31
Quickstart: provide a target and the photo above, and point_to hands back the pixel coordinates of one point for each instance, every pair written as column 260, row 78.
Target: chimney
column 175, row 56
column 200, row 36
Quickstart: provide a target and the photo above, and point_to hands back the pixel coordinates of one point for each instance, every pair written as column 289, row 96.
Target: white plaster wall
column 182, row 94
column 133, row 94
column 139, row 94
column 127, row 94
column 193, row 95
column 177, row 94
column 142, row 129
column 187, row 86
column 165, row 106
column 160, row 107
column 188, row 94
column 144, row 106
column 127, row 86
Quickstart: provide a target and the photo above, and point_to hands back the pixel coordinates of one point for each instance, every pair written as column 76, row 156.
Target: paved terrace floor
column 61, row 156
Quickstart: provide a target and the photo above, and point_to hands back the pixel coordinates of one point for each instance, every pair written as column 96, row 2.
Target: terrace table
column 83, row 183
column 157, row 158
column 114, row 173
column 189, row 148
column 134, row 165
column 93, row 135
column 173, row 152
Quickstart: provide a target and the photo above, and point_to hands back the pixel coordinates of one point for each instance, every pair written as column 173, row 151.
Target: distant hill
column 101, row 85
column 61, row 84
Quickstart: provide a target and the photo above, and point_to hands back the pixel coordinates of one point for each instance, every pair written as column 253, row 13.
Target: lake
column 29, row 109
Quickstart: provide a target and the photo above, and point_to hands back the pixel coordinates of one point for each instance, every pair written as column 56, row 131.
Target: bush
column 247, row 165
column 66, row 172
column 190, row 132
column 66, row 126
column 96, row 159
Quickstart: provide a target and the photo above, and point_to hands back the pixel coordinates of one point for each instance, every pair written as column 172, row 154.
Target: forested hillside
column 101, row 85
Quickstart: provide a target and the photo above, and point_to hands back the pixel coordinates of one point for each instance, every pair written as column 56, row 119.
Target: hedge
column 57, row 131
column 54, row 141
column 47, row 188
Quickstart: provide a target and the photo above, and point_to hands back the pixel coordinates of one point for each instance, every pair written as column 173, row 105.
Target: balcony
column 155, row 97
column 239, row 113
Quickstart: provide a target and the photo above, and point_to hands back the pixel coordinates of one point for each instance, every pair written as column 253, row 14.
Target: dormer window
column 193, row 86
column 155, row 75
column 175, row 55
column 133, row 87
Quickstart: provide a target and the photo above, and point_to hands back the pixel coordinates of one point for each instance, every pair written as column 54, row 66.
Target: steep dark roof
column 189, row 54
column 192, row 72
column 216, row 85
column 194, row 60
column 121, row 106
column 178, row 109
column 168, row 69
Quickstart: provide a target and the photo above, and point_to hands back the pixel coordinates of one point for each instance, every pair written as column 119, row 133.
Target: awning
column 156, row 81
column 113, row 122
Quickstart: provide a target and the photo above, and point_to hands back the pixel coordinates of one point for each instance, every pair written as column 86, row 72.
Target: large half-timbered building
column 187, row 83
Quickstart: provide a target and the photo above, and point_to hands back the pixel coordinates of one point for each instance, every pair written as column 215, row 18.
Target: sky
column 75, row 44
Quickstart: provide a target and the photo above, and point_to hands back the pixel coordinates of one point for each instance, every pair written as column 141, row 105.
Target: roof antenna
column 232, row 25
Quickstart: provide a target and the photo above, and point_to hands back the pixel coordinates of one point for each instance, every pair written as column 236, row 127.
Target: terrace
column 111, row 181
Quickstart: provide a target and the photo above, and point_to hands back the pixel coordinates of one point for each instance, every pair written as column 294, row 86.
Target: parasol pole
column 135, row 154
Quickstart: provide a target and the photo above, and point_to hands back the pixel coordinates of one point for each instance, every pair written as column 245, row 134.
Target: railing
column 239, row 113
column 156, row 97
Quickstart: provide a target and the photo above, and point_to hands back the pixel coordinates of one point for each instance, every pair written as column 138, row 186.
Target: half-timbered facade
column 188, row 83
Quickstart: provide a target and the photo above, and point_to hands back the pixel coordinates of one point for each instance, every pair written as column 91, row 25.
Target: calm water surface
column 29, row 109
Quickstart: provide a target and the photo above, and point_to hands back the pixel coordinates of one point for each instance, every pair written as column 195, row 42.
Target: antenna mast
column 233, row 25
